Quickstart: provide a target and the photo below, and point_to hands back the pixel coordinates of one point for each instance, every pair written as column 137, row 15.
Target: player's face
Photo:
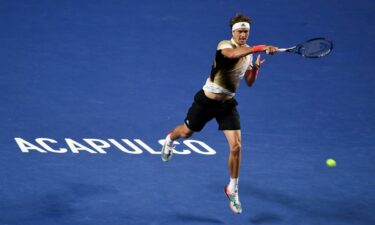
column 240, row 36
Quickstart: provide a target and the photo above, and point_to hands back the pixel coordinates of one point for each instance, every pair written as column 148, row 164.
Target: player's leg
column 197, row 117
column 229, row 123
column 234, row 161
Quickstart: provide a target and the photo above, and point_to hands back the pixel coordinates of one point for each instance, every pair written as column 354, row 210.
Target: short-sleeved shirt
column 226, row 73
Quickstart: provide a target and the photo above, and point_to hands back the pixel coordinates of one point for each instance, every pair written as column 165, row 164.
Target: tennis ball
column 331, row 163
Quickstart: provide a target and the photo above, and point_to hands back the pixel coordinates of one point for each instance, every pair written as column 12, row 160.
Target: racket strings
column 315, row 48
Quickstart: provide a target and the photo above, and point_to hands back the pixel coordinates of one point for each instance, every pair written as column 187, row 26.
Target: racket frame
column 296, row 46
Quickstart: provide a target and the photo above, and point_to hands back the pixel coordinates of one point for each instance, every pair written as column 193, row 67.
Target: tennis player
column 233, row 62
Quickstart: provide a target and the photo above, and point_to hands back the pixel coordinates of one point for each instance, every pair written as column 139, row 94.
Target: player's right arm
column 235, row 53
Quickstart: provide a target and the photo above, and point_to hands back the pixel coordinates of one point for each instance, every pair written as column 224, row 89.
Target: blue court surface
column 89, row 90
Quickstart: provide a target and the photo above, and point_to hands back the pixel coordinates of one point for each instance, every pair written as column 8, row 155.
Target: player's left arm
column 251, row 75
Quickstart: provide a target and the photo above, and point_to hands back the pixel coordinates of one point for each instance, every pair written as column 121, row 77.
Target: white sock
column 169, row 140
column 233, row 184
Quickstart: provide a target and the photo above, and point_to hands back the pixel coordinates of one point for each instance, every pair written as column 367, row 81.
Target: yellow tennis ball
column 331, row 163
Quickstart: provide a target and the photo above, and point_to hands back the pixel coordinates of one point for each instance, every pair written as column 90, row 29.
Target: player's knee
column 186, row 134
column 236, row 148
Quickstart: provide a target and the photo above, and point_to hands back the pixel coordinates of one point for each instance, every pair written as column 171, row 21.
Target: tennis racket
column 313, row 48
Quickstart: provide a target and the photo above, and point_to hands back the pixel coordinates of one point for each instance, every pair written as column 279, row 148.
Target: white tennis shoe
column 167, row 151
column 234, row 200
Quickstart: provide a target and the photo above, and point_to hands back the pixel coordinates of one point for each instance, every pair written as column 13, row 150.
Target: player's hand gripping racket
column 313, row 48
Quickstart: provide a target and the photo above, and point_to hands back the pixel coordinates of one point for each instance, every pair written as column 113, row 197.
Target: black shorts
column 204, row 109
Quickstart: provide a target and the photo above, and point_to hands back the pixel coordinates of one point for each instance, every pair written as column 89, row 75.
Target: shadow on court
column 308, row 206
column 68, row 204
column 266, row 218
column 193, row 219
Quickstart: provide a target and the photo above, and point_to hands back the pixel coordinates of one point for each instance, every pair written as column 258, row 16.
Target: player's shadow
column 266, row 217
column 268, row 195
column 193, row 219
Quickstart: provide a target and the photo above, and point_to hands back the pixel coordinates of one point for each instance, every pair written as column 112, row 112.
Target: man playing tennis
column 233, row 61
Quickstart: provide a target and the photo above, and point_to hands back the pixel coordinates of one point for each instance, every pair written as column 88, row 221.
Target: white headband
column 241, row 25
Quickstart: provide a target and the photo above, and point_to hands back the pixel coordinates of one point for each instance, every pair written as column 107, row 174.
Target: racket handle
column 282, row 50
column 279, row 50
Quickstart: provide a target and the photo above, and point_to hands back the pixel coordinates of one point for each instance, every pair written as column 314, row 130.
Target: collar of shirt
column 233, row 42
